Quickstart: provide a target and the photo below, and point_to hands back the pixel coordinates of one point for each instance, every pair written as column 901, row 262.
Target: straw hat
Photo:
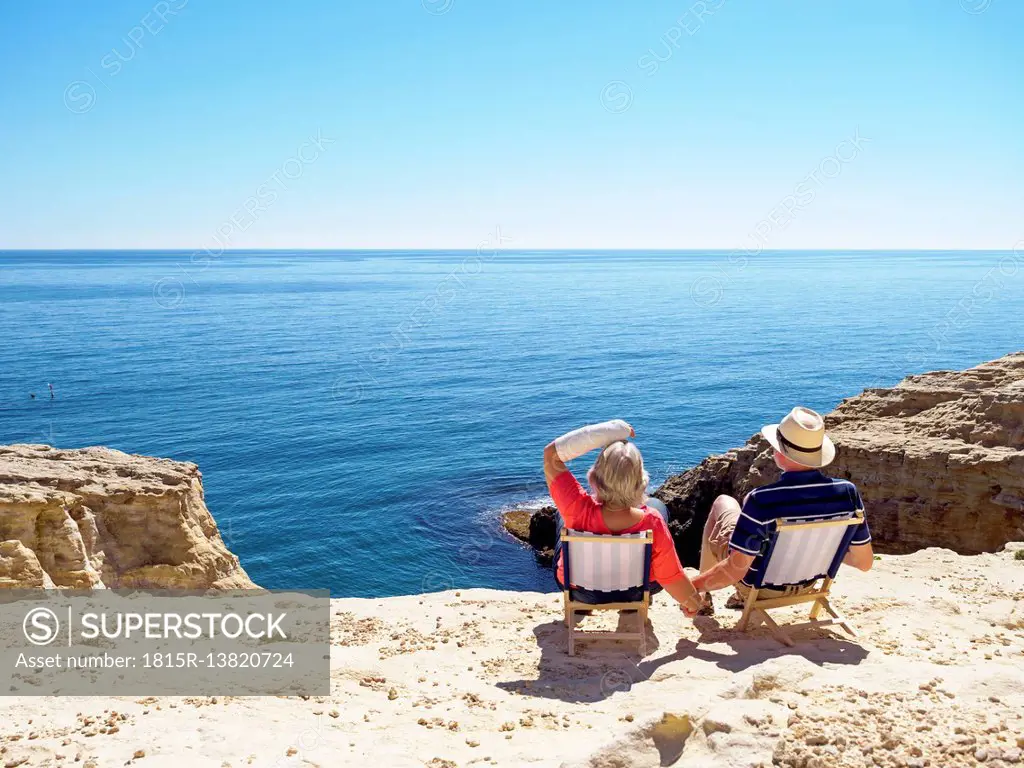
column 801, row 437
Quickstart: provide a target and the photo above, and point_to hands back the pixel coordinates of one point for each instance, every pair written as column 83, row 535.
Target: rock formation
column 96, row 517
column 939, row 460
column 537, row 528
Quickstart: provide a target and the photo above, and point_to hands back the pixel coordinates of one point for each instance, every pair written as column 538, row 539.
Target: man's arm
column 725, row 574
column 685, row 594
column 735, row 567
column 860, row 556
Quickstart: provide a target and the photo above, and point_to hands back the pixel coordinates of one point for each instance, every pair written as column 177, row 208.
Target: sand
column 481, row 677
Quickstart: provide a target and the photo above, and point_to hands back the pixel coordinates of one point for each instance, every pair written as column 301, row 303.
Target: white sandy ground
column 481, row 677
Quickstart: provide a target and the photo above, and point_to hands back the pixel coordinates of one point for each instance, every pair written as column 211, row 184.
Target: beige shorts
column 714, row 547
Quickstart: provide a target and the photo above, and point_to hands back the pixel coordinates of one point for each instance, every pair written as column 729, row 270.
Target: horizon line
column 507, row 250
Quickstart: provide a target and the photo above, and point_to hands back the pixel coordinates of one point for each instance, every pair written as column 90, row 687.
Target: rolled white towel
column 574, row 444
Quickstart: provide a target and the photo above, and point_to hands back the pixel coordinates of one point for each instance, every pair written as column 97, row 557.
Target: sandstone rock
column 939, row 460
column 742, row 714
column 19, row 568
column 737, row 732
column 96, row 517
column 538, row 528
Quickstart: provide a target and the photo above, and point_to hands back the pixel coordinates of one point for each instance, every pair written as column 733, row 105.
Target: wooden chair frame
column 640, row 606
column 755, row 609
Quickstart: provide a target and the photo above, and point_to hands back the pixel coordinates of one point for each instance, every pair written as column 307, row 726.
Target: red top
column 581, row 513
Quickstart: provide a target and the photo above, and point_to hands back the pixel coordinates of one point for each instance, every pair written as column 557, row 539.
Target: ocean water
column 361, row 418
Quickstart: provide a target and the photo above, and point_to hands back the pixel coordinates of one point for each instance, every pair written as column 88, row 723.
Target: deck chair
column 800, row 553
column 619, row 566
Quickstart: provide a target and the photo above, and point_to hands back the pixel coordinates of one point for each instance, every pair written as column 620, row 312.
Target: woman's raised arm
column 553, row 466
column 574, row 444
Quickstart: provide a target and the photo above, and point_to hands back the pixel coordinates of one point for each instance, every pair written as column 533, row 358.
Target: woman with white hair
column 618, row 503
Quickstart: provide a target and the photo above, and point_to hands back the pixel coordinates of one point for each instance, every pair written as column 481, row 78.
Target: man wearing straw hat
column 735, row 537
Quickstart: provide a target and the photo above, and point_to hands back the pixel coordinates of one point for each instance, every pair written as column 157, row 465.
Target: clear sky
column 566, row 123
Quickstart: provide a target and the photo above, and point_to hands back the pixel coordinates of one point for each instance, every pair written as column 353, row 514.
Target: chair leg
column 828, row 607
column 756, row 619
column 748, row 607
column 776, row 630
column 821, row 602
column 839, row 618
column 816, row 609
column 642, row 615
column 569, row 622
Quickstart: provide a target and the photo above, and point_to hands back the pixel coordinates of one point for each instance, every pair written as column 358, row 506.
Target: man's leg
column 714, row 545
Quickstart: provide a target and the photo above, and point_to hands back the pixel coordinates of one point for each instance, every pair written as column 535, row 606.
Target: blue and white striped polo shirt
column 808, row 495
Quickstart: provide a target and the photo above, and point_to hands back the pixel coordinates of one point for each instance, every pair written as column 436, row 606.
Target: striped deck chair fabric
column 617, row 565
column 801, row 553
column 606, row 568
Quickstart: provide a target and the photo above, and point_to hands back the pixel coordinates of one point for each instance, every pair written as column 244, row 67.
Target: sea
column 362, row 418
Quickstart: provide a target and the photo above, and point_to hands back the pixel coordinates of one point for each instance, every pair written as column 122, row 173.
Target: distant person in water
column 619, row 485
column 32, row 395
column 735, row 537
column 52, row 395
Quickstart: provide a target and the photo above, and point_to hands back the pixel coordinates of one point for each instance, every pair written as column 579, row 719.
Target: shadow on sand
column 602, row 668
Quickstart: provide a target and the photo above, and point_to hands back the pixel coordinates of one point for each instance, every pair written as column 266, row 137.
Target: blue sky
column 576, row 123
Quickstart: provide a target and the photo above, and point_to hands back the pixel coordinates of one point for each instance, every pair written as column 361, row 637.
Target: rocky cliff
column 95, row 517
column 939, row 460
